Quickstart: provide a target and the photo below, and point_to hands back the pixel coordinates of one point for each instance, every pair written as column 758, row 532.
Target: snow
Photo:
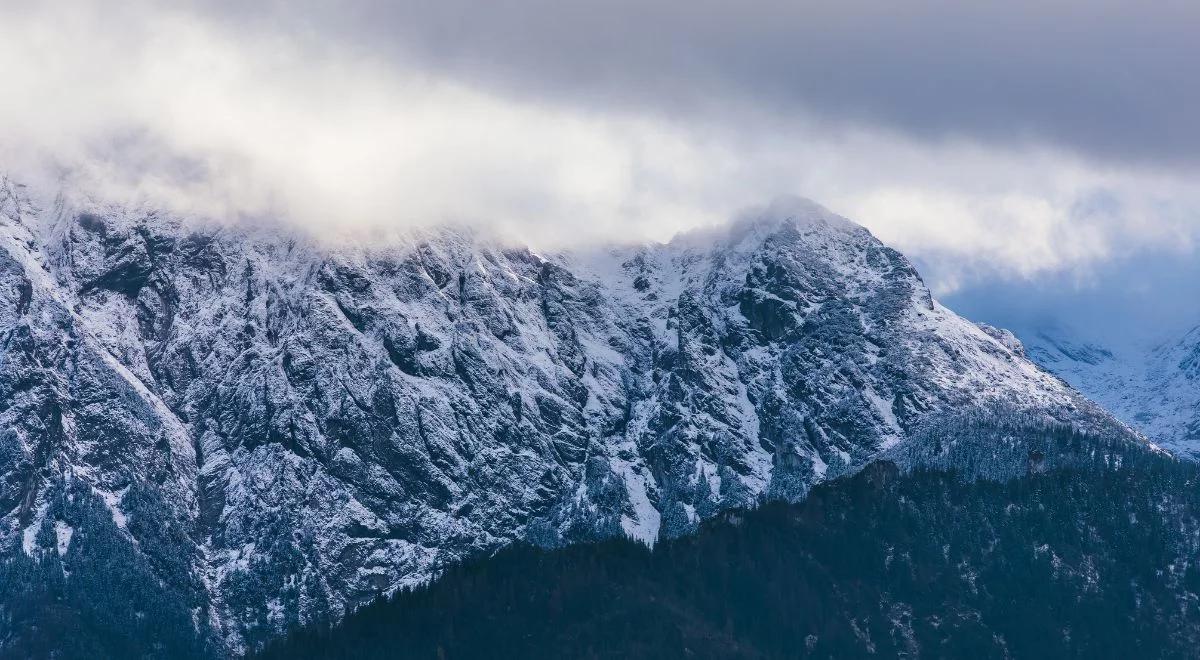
column 29, row 539
column 885, row 412
column 30, row 532
column 646, row 520
column 691, row 513
column 819, row 466
column 275, row 611
column 708, row 472
column 62, row 534
column 112, row 501
column 1146, row 386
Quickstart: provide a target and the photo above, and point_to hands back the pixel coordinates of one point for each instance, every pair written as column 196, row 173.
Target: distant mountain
column 218, row 434
column 1156, row 390
column 1093, row 558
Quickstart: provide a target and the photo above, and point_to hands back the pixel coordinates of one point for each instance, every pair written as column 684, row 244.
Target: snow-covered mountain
column 281, row 430
column 1155, row 389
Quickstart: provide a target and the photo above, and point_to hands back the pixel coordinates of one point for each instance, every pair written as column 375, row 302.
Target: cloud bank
column 1003, row 141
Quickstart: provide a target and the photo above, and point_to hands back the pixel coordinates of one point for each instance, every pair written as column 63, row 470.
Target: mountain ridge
column 314, row 427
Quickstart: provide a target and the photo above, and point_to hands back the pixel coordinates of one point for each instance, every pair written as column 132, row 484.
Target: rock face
column 301, row 428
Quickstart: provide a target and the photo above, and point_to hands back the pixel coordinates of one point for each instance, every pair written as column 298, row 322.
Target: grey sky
column 1110, row 79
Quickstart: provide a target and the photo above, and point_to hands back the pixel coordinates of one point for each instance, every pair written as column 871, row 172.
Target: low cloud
column 558, row 132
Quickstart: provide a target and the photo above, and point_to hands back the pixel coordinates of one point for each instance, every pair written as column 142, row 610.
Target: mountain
column 1155, row 390
column 1091, row 560
column 216, row 434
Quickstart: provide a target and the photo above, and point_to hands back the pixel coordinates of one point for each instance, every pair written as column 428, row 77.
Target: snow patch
column 29, row 534
column 63, row 533
column 113, row 501
column 889, row 417
column 646, row 520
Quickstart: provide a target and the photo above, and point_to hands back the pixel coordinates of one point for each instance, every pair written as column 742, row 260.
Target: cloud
column 164, row 105
column 1104, row 78
column 563, row 123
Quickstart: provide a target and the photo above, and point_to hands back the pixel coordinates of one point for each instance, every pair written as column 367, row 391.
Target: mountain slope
column 282, row 430
column 1155, row 390
column 1095, row 560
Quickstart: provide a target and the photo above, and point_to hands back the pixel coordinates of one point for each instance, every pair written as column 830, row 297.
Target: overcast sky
column 1016, row 141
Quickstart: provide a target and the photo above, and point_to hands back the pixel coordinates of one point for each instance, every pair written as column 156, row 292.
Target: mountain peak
column 790, row 212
